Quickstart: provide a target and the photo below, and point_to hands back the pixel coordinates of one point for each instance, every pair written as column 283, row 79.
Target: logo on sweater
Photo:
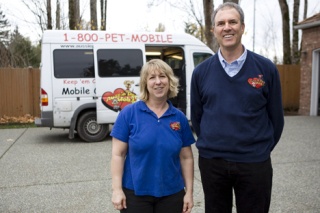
column 175, row 126
column 256, row 82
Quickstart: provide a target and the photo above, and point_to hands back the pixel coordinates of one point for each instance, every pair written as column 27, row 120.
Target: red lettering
column 84, row 81
column 110, row 37
column 144, row 38
column 87, row 37
column 151, row 38
column 80, row 37
column 70, row 82
column 158, row 40
column 107, row 36
column 114, row 37
column 135, row 38
column 95, row 37
column 121, row 36
column 163, row 39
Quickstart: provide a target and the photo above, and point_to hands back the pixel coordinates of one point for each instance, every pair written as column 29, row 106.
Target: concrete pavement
column 41, row 170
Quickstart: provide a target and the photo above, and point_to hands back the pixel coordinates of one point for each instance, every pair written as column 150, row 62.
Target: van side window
column 119, row 62
column 200, row 57
column 73, row 63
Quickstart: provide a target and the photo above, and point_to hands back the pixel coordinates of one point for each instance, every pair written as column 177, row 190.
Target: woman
column 152, row 160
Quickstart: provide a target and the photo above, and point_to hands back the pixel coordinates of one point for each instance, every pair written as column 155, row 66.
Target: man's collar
column 240, row 59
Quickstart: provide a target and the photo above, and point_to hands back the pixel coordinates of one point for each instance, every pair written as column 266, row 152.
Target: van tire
column 89, row 130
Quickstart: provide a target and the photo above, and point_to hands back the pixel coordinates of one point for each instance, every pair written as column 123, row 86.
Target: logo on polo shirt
column 175, row 126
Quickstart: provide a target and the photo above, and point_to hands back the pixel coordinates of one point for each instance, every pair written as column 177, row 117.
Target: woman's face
column 157, row 85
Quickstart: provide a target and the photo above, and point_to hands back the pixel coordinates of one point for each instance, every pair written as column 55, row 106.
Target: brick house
column 310, row 66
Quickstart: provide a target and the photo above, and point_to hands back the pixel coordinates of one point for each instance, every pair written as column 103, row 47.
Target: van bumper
column 46, row 119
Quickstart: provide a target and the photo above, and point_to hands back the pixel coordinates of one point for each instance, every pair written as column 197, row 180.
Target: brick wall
column 310, row 42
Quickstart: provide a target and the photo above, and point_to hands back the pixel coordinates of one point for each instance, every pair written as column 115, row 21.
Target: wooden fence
column 290, row 85
column 20, row 90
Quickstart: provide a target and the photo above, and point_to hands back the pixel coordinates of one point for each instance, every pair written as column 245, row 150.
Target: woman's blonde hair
column 157, row 65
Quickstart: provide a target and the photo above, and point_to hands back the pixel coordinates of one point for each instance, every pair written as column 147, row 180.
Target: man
column 237, row 114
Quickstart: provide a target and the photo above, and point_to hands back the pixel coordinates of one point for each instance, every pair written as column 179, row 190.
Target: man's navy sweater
column 239, row 118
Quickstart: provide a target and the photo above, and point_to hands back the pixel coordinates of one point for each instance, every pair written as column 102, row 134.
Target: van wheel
column 88, row 128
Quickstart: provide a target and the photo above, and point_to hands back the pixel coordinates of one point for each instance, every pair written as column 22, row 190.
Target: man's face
column 228, row 29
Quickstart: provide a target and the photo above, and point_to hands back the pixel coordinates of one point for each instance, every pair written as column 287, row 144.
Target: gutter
column 308, row 25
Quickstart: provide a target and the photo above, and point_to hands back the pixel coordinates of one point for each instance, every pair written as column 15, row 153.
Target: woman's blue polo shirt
column 152, row 165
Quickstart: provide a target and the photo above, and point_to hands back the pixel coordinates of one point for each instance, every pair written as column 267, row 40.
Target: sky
column 263, row 31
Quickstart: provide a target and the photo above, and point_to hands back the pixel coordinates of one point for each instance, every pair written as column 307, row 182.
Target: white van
column 87, row 77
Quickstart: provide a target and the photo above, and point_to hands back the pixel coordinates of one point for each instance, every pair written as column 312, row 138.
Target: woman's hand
column 187, row 203
column 119, row 199
column 186, row 159
column 119, row 150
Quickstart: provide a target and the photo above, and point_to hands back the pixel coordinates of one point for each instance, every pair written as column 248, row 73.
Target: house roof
column 313, row 21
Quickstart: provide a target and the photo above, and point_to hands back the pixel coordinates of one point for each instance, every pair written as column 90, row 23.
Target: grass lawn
column 17, row 125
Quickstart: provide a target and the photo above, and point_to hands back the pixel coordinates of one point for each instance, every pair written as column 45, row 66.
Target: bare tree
column 208, row 7
column 72, row 18
column 295, row 33
column 234, row 1
column 160, row 28
column 93, row 14
column 103, row 8
column 77, row 12
column 201, row 31
column 190, row 9
column 58, row 15
column 38, row 9
column 207, row 11
column 305, row 9
column 74, row 14
column 270, row 36
column 285, row 32
column 49, row 16
column 197, row 17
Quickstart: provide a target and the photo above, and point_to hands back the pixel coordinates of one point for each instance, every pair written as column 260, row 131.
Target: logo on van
column 119, row 98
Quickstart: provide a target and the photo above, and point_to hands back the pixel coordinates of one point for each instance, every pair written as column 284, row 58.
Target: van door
column 71, row 79
column 194, row 55
column 174, row 57
column 117, row 74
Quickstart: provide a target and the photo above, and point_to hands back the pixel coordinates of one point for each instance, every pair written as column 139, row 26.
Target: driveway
column 41, row 170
